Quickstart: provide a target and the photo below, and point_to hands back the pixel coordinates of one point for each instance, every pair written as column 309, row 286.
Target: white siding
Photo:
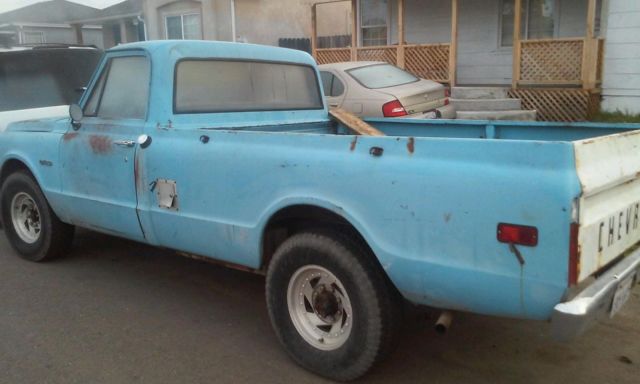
column 621, row 83
column 481, row 59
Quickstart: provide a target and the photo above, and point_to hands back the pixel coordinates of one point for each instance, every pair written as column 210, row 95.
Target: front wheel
column 31, row 227
column 330, row 305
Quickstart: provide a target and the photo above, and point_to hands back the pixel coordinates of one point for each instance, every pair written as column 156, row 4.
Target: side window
column 337, row 89
column 91, row 109
column 327, row 79
column 122, row 91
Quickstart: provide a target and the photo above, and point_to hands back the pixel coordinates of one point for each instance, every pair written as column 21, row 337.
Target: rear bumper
column 444, row 112
column 572, row 318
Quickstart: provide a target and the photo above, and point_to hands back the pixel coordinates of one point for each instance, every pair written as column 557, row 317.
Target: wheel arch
column 298, row 217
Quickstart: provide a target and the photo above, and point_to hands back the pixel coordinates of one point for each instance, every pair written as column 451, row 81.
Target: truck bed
column 460, row 129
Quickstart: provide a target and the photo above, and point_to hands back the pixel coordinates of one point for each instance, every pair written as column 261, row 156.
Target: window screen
column 126, row 89
column 226, row 86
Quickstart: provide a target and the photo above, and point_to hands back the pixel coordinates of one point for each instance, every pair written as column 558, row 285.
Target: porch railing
column 559, row 61
column 429, row 61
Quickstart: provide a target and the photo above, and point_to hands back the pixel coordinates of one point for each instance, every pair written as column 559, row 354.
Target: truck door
column 98, row 156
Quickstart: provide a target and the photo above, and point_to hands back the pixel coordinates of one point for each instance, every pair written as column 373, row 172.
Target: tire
column 317, row 283
column 32, row 228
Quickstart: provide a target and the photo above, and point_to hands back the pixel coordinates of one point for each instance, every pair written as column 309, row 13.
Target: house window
column 374, row 22
column 539, row 20
column 183, row 27
column 33, row 37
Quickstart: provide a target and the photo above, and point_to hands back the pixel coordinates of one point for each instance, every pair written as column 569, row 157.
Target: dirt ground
column 119, row 312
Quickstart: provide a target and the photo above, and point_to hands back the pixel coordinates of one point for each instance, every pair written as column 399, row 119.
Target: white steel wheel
column 25, row 217
column 319, row 307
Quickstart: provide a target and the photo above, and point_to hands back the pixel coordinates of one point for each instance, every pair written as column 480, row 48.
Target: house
column 121, row 23
column 48, row 22
column 559, row 56
column 253, row 21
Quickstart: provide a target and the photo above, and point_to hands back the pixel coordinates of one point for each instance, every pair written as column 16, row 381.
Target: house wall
column 481, row 59
column 621, row 82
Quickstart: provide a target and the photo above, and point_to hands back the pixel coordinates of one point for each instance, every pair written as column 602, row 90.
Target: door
column 99, row 156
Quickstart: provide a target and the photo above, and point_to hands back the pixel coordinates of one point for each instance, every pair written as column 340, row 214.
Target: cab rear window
column 381, row 76
column 205, row 86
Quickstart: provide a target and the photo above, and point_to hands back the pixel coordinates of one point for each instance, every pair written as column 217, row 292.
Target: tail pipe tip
column 444, row 322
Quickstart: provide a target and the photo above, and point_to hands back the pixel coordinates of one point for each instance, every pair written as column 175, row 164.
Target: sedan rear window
column 204, row 86
column 381, row 76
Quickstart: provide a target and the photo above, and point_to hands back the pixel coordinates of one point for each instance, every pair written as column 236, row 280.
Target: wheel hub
column 25, row 217
column 319, row 307
column 326, row 304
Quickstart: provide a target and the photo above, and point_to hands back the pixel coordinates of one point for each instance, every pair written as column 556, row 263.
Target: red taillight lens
column 446, row 101
column 574, row 255
column 447, row 93
column 393, row 109
column 518, row 234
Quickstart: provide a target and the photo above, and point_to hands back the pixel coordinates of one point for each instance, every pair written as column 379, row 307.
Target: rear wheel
column 31, row 227
column 330, row 305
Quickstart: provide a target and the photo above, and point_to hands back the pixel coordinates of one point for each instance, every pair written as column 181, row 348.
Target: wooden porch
column 559, row 77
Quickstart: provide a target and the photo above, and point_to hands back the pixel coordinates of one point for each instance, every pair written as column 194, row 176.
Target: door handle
column 125, row 143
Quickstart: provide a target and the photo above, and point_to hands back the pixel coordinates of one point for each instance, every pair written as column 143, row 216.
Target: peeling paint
column 354, row 143
column 411, row 145
column 100, row 144
column 69, row 136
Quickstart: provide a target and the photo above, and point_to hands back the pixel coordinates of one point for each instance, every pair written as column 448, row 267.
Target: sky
column 8, row 5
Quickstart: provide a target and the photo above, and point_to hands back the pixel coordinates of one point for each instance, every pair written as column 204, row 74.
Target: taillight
column 447, row 93
column 393, row 109
column 446, row 101
column 574, row 255
column 518, row 234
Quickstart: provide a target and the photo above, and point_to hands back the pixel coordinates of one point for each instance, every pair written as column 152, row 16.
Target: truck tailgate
column 609, row 171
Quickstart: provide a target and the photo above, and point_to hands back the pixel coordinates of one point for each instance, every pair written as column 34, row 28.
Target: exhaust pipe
column 444, row 322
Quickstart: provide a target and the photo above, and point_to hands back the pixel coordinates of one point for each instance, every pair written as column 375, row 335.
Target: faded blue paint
column 428, row 207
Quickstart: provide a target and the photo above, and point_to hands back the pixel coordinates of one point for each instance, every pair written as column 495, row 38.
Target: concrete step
column 486, row 104
column 497, row 115
column 479, row 93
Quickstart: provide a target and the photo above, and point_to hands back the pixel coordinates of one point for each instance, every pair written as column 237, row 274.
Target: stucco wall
column 621, row 82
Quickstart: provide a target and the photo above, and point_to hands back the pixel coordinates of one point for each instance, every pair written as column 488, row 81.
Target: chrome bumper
column 572, row 318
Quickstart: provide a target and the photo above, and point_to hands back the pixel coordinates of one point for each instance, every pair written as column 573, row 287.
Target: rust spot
column 100, row 144
column 354, row 142
column 411, row 145
column 69, row 136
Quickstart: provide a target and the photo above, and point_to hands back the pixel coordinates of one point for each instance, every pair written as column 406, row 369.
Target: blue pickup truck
column 228, row 152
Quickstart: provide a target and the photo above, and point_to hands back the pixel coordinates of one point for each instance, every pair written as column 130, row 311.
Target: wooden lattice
column 568, row 104
column 333, row 55
column 428, row 61
column 557, row 61
column 600, row 67
column 381, row 53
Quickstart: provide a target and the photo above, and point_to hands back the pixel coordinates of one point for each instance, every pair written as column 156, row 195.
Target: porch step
column 479, row 93
column 479, row 104
column 497, row 115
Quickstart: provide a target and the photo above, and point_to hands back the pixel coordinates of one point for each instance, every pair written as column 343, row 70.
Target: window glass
column 32, row 37
column 126, row 89
column 92, row 105
column 174, row 27
column 541, row 19
column 338, row 88
column 204, row 86
column 327, row 79
column 191, row 27
column 538, row 20
column 507, row 15
column 374, row 22
column 381, row 76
